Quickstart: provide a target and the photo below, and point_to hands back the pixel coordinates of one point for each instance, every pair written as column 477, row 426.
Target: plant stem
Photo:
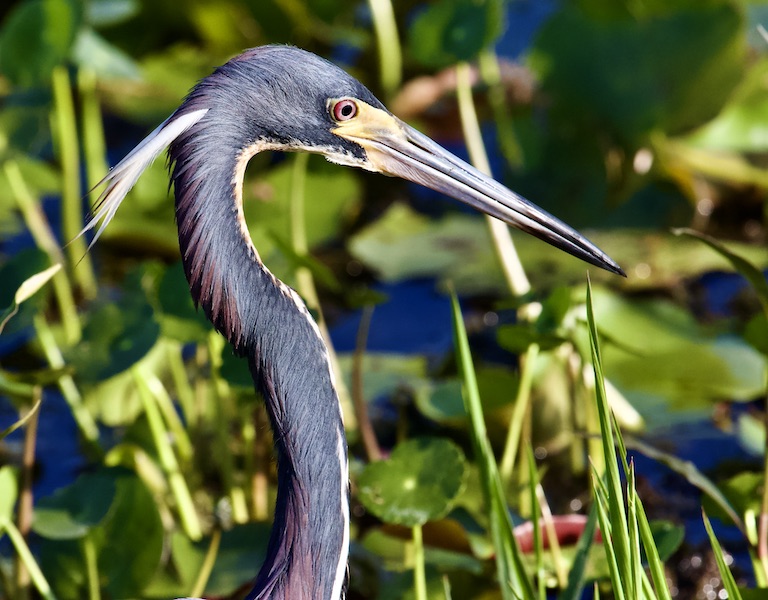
column 91, row 567
column 502, row 240
column 94, row 146
column 83, row 418
column 207, row 567
column 45, row 240
column 184, row 505
column 367, row 433
column 522, row 401
column 43, row 588
column 388, row 45
column 26, row 501
column 419, row 571
column 305, row 283
column 762, row 529
column 184, row 391
column 71, row 200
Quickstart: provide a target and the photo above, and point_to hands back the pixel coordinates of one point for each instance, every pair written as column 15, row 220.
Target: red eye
column 344, row 110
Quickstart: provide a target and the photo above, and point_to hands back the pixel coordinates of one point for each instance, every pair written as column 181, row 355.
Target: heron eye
column 344, row 110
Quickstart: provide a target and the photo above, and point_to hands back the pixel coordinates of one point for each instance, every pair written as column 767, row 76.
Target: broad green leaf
column 103, row 13
column 72, row 512
column 455, row 30
column 37, row 36
column 383, row 374
column 669, row 71
column 9, row 489
column 13, row 274
column 93, row 52
column 667, row 537
column 418, row 483
column 403, row 244
column 116, row 335
column 179, row 319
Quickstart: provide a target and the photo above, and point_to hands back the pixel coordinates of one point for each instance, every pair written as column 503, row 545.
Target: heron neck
column 268, row 323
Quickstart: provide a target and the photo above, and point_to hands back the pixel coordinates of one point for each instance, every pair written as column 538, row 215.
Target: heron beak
column 394, row 148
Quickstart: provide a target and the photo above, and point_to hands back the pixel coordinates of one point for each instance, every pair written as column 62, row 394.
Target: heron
column 281, row 98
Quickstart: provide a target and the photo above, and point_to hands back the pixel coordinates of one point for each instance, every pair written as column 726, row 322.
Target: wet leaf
column 418, row 483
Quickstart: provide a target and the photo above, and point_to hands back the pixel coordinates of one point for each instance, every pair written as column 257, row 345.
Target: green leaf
column 750, row 272
column 116, row 335
column 36, row 37
column 667, row 538
column 455, row 30
column 93, row 52
column 21, row 422
column 23, row 266
column 671, row 71
column 72, row 512
column 179, row 319
column 26, row 290
column 9, row 490
column 102, row 13
column 725, row 573
column 418, row 483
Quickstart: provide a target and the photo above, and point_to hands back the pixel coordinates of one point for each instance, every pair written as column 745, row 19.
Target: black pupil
column 346, row 109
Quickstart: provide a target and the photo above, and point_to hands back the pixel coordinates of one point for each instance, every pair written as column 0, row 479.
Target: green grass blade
column 513, row 579
column 615, row 497
column 601, row 506
column 655, row 566
column 576, row 576
column 538, row 544
column 725, row 573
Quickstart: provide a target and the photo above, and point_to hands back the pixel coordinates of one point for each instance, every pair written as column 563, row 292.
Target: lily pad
column 418, row 483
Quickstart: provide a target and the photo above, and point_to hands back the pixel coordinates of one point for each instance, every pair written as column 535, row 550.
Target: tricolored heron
column 283, row 98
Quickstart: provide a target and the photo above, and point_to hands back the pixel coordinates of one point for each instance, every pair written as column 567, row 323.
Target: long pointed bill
column 394, row 148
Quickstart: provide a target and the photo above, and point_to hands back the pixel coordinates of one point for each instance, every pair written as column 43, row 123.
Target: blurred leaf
column 750, row 431
column 39, row 176
column 242, row 548
column 668, row 537
column 418, row 483
column 26, row 290
column 742, row 126
column 103, row 13
column 750, row 272
column 518, row 336
column 691, row 367
column 179, row 319
column 73, row 511
column 13, row 274
column 36, row 37
column 384, row 373
column 9, row 490
column 331, row 195
column 447, row 32
column 107, row 61
column 116, row 336
column 670, row 71
column 756, row 332
column 20, row 423
column 234, row 369
column 403, row 244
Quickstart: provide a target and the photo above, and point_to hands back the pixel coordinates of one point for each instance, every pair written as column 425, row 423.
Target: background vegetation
column 137, row 460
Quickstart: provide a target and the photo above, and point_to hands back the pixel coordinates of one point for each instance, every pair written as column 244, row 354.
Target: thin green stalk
column 207, row 567
column 171, row 417
column 45, row 240
column 305, row 283
column 655, row 565
column 71, row 198
column 67, row 386
column 94, row 145
column 419, row 571
column 367, row 433
column 21, row 548
column 522, row 402
column 388, row 45
column 223, row 413
column 25, row 504
column 513, row 579
column 729, row 583
column 91, row 567
column 178, row 485
column 555, row 552
column 514, row 273
column 184, row 391
column 538, row 544
column 490, row 73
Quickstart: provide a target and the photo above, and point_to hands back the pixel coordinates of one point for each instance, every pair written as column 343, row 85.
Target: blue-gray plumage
column 282, row 98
